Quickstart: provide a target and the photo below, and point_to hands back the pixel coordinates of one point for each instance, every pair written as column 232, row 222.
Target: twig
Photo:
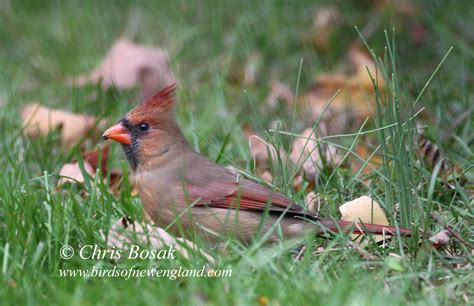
column 363, row 253
column 300, row 253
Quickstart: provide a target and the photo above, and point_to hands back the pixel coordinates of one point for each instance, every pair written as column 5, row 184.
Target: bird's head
column 148, row 130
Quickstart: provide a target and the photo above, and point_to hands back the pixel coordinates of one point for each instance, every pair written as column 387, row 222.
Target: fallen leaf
column 12, row 283
column 365, row 70
column 245, row 73
column 326, row 20
column 330, row 82
column 432, row 155
column 418, row 34
column 440, row 239
column 374, row 160
column 364, row 210
column 298, row 182
column 125, row 233
column 356, row 90
column 262, row 300
column 267, row 176
column 279, row 92
column 71, row 172
column 127, row 65
column 402, row 7
column 39, row 120
column 313, row 202
column 306, row 153
column 260, row 149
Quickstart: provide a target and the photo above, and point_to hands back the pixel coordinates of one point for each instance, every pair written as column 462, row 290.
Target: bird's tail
column 362, row 228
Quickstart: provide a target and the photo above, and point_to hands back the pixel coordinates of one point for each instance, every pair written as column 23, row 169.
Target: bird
column 188, row 194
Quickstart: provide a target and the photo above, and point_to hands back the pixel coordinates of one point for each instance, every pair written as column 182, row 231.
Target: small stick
column 363, row 253
column 300, row 253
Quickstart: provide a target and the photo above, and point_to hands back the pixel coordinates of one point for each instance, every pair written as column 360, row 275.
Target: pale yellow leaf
column 364, row 210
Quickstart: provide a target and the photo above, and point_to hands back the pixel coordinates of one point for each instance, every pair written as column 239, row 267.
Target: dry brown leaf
column 365, row 68
column 71, row 172
column 298, row 182
column 432, row 155
column 11, row 283
column 403, row 7
column 330, row 82
column 262, row 300
column 128, row 65
column 267, row 176
column 325, row 20
column 365, row 210
column 375, row 160
column 356, row 93
column 313, row 202
column 260, row 149
column 39, row 120
column 279, row 92
column 306, row 152
column 245, row 73
column 440, row 239
column 123, row 233
column 418, row 34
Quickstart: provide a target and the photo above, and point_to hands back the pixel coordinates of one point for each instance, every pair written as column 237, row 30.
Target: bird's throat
column 131, row 151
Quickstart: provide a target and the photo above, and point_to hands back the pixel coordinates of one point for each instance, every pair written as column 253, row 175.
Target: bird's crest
column 163, row 98
column 160, row 102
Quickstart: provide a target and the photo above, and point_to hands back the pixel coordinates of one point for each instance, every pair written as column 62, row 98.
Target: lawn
column 225, row 56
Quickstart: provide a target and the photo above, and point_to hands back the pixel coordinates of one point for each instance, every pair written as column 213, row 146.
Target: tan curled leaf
column 355, row 90
column 39, row 120
column 261, row 150
column 267, row 176
column 365, row 69
column 364, row 210
column 279, row 92
column 71, row 173
column 440, row 239
column 371, row 159
column 128, row 65
column 306, row 153
column 298, row 182
column 125, row 233
column 326, row 20
column 313, row 202
column 245, row 72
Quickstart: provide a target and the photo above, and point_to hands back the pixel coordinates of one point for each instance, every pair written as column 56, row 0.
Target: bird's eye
column 143, row 127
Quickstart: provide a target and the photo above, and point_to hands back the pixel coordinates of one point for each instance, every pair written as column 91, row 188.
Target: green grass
column 43, row 42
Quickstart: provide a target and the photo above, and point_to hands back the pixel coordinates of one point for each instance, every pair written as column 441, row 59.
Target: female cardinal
column 189, row 193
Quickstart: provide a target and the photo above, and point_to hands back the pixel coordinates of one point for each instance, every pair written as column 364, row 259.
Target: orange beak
column 118, row 133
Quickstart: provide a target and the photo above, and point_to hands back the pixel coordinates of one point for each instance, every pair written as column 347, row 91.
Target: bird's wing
column 241, row 195
column 252, row 196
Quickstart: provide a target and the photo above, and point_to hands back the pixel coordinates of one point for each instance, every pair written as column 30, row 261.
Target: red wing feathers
column 243, row 195
column 252, row 196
